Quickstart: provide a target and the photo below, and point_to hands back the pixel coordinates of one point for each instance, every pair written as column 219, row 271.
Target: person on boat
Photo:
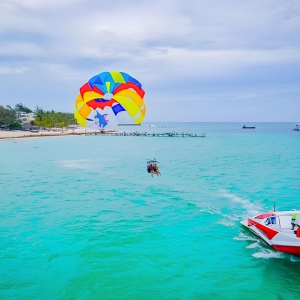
column 294, row 217
column 155, row 169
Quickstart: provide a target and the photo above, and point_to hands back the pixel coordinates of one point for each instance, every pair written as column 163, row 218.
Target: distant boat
column 248, row 127
column 297, row 128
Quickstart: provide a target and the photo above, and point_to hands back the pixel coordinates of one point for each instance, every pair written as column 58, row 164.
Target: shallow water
column 81, row 219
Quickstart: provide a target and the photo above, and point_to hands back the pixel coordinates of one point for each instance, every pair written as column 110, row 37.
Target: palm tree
column 21, row 107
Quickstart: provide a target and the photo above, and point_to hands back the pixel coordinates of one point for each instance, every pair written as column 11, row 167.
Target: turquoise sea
column 80, row 218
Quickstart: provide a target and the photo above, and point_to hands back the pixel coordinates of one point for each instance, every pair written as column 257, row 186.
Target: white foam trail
column 266, row 254
column 295, row 258
column 251, row 208
column 244, row 237
column 227, row 222
column 74, row 164
column 254, row 245
column 211, row 210
column 232, row 218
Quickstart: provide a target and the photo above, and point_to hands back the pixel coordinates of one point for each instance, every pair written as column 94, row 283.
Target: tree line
column 51, row 119
column 45, row 119
column 8, row 117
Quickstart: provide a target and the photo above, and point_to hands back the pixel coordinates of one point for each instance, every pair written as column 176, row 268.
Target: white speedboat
column 275, row 229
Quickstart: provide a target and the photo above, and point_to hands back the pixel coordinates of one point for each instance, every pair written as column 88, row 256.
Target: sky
column 198, row 61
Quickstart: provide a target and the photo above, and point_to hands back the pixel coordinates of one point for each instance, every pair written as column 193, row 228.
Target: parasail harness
column 150, row 161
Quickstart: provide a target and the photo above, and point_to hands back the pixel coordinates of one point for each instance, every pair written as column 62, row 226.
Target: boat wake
column 229, row 222
column 211, row 210
column 245, row 207
column 226, row 220
column 266, row 254
column 248, row 207
column 261, row 252
column 295, row 258
column 244, row 237
column 254, row 245
column 74, row 164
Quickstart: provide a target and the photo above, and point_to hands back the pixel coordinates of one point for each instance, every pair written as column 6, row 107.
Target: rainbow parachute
column 109, row 99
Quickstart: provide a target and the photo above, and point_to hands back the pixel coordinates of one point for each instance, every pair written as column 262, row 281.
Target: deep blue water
column 81, row 218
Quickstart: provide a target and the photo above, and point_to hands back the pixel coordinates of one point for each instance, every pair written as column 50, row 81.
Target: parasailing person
column 152, row 167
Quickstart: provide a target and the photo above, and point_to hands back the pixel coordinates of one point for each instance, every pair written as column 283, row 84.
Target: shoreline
column 12, row 135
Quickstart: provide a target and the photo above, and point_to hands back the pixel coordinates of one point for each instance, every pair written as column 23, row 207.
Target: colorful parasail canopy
column 109, row 99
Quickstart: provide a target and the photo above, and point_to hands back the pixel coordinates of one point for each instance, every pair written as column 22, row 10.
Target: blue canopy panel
column 125, row 76
column 128, row 78
column 117, row 108
column 101, row 87
column 115, row 87
column 106, row 77
column 94, row 80
column 100, row 100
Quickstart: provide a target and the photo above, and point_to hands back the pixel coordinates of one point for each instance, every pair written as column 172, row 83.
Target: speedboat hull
column 275, row 230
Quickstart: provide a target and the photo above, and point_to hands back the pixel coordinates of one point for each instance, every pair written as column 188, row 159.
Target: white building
column 25, row 117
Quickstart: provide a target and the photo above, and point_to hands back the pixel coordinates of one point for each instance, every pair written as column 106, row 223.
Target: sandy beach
column 4, row 135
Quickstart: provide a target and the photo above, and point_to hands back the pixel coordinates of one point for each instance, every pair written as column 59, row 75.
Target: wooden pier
column 146, row 134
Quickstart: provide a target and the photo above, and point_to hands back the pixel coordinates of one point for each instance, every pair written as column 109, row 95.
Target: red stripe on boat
column 287, row 249
column 270, row 233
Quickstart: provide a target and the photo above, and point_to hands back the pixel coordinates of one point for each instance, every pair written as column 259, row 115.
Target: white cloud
column 9, row 70
column 37, row 4
column 21, row 49
column 165, row 44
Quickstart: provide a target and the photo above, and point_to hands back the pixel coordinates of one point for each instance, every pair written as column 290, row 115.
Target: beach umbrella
column 110, row 99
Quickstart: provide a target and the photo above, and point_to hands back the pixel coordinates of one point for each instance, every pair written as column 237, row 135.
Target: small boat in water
column 248, row 127
column 296, row 128
column 280, row 230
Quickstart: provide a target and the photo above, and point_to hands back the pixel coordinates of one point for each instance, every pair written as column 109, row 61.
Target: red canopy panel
column 129, row 85
column 95, row 104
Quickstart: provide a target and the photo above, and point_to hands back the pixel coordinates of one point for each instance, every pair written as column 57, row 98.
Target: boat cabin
column 280, row 221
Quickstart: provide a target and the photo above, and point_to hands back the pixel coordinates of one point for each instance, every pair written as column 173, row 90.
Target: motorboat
column 277, row 231
column 296, row 128
column 248, row 127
